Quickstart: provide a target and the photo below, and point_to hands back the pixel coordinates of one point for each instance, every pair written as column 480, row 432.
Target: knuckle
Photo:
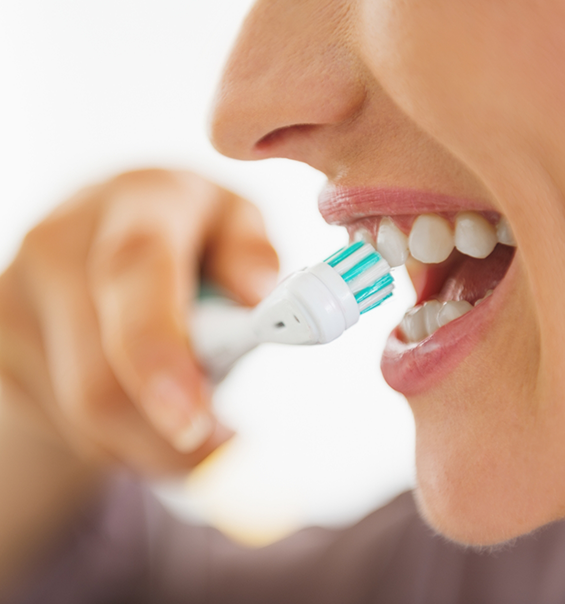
column 111, row 257
column 146, row 178
column 41, row 239
column 265, row 253
column 66, row 232
column 181, row 191
column 44, row 248
column 246, row 218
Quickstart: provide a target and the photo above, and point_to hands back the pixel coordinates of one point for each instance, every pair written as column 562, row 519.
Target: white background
column 93, row 87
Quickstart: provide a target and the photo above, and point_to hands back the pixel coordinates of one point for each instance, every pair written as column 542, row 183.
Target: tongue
column 471, row 278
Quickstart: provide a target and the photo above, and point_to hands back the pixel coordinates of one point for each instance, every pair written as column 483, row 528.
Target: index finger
column 144, row 269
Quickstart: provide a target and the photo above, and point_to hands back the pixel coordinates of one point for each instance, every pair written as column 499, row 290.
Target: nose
column 290, row 77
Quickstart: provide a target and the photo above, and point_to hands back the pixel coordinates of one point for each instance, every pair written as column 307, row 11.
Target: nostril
column 280, row 135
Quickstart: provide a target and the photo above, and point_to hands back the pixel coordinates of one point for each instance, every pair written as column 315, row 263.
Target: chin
column 482, row 499
column 457, row 523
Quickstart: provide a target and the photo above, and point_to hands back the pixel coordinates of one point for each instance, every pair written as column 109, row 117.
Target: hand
column 93, row 314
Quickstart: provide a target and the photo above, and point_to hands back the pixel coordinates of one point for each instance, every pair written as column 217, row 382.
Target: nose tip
column 238, row 121
column 256, row 125
column 290, row 74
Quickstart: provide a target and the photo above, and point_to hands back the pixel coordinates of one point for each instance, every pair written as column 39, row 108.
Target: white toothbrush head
column 312, row 306
column 316, row 305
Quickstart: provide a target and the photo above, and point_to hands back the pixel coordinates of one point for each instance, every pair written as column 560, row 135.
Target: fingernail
column 174, row 414
column 194, row 435
column 261, row 281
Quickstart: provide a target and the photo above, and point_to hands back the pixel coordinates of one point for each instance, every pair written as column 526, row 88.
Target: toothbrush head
column 312, row 306
column 366, row 273
column 317, row 304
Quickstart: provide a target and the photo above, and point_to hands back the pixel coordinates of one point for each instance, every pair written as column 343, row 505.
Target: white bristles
column 376, row 298
column 349, row 262
column 366, row 273
column 370, row 276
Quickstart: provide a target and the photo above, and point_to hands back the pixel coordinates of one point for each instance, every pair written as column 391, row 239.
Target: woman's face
column 415, row 107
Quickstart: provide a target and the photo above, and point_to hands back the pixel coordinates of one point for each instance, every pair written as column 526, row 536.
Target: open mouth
column 455, row 262
column 456, row 256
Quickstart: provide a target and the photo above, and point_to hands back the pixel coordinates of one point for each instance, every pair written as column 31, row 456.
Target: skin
column 92, row 316
column 461, row 98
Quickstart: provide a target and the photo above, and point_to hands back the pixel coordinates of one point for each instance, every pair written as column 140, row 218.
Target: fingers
column 113, row 274
column 239, row 256
column 99, row 418
column 144, row 268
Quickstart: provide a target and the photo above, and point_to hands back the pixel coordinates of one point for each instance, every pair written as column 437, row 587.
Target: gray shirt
column 127, row 549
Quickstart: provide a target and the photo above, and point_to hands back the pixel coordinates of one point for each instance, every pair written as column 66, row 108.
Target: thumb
column 239, row 257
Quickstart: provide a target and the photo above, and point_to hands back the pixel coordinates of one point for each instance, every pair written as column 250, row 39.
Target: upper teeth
column 392, row 243
column 504, row 232
column 432, row 238
column 474, row 235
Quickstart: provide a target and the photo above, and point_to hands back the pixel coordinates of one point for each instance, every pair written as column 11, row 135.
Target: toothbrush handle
column 221, row 333
column 311, row 306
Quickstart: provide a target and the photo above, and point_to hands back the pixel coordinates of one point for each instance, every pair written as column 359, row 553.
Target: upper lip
column 344, row 205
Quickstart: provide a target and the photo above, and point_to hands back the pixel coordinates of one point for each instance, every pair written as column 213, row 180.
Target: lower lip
column 415, row 368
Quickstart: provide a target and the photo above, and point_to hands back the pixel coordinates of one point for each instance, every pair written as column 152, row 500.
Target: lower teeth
column 421, row 322
column 484, row 297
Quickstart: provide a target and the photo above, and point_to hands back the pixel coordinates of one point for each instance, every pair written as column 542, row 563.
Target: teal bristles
column 343, row 253
column 366, row 273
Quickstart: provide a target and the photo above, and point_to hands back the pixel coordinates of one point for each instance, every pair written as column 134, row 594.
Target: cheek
column 477, row 75
column 482, row 78
column 437, row 59
column 410, row 49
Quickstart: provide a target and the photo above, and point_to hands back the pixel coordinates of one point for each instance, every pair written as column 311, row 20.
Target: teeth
column 413, row 324
column 489, row 292
column 431, row 239
column 453, row 310
column 474, row 235
column 504, row 232
column 392, row 243
column 364, row 234
column 422, row 321
column 431, row 311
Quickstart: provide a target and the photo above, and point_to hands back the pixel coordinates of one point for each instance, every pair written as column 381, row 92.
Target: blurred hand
column 93, row 315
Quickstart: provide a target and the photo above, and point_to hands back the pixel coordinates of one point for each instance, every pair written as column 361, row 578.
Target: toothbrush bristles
column 366, row 273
